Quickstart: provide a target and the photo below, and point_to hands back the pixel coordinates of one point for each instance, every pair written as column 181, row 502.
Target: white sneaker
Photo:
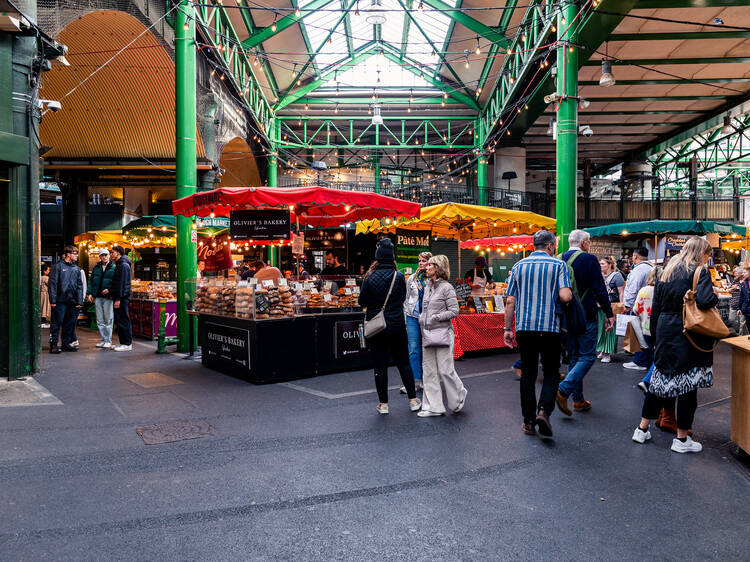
column 640, row 436
column 606, row 358
column 45, row 325
column 601, row 354
column 74, row 343
column 100, row 344
column 415, row 404
column 461, row 402
column 382, row 409
column 428, row 414
column 106, row 345
column 633, row 366
column 689, row 446
column 122, row 348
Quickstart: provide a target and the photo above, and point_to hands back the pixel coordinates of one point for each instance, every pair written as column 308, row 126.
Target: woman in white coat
column 439, row 306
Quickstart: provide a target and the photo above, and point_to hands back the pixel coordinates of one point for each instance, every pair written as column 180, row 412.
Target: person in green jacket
column 100, row 283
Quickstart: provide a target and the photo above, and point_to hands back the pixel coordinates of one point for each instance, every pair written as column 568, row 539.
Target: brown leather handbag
column 704, row 322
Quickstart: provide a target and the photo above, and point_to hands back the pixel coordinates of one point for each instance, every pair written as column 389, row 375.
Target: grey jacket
column 439, row 306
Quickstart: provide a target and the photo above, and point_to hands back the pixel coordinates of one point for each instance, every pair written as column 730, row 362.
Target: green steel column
column 273, row 181
column 482, row 179
column 567, row 124
column 187, row 176
column 377, row 171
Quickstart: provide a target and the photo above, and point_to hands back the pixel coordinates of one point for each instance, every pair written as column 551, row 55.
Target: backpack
column 574, row 314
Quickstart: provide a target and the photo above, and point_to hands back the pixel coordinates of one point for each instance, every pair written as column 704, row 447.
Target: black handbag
column 573, row 313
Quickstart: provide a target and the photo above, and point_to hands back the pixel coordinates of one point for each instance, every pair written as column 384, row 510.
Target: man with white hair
column 590, row 288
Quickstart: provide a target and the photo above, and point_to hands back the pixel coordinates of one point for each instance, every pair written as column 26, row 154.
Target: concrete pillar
column 510, row 159
column 637, row 178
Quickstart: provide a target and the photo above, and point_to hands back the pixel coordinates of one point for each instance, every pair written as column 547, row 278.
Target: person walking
column 681, row 367
column 44, row 306
column 606, row 343
column 440, row 305
column 635, row 282
column 589, row 284
column 66, row 299
column 384, row 289
column 535, row 286
column 120, row 294
column 98, row 292
column 479, row 277
column 412, row 309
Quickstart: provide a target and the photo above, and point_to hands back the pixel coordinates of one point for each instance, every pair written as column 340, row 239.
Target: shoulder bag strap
column 699, row 348
column 385, row 302
column 696, row 276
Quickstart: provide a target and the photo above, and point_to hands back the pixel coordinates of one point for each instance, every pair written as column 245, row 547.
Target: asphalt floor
column 309, row 471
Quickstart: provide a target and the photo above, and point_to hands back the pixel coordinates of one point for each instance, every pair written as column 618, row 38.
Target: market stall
column 280, row 329
column 481, row 321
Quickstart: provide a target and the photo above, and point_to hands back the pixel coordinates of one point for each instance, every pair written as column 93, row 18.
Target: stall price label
column 347, row 291
column 327, row 297
column 328, row 285
column 282, row 282
column 355, row 290
column 313, row 291
column 351, row 282
column 242, row 284
column 499, row 304
column 267, row 283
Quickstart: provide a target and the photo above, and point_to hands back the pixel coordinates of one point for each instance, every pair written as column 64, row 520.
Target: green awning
column 666, row 227
column 167, row 224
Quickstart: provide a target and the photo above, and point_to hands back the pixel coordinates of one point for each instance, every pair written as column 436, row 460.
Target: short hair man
column 635, row 282
column 333, row 265
column 200, row 266
column 120, row 292
column 592, row 291
column 535, row 286
column 66, row 299
column 265, row 272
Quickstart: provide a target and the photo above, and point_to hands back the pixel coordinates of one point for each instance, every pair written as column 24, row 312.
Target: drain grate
column 174, row 431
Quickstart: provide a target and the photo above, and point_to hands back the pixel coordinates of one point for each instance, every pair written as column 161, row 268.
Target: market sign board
column 226, row 345
column 675, row 241
column 269, row 224
column 348, row 338
column 409, row 244
column 215, row 253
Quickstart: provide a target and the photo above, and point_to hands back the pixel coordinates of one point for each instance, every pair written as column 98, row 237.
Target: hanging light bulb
column 408, row 109
column 273, row 25
column 433, row 54
column 411, row 95
column 336, row 109
column 374, row 95
column 329, row 36
column 186, row 26
column 466, row 56
column 478, row 50
column 306, row 107
column 607, row 79
column 337, row 88
column 421, row 6
column 356, row 13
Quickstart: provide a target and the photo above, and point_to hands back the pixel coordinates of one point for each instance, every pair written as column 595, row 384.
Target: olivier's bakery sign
column 270, row 224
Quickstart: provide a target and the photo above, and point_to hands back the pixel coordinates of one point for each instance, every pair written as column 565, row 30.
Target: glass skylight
column 366, row 74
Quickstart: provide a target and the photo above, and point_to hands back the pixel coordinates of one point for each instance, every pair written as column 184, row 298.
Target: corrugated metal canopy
column 127, row 109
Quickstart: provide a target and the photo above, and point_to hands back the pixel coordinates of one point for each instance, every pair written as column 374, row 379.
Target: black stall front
column 282, row 349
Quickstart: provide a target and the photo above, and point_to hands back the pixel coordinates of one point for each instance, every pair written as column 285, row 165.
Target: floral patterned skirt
column 682, row 383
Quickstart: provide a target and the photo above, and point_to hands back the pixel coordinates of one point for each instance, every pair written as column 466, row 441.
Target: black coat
column 120, row 288
column 744, row 306
column 374, row 290
column 673, row 352
column 65, row 284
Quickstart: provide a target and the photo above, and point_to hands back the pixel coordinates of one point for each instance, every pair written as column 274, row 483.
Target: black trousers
column 391, row 341
column 122, row 321
column 686, row 406
column 532, row 345
column 64, row 316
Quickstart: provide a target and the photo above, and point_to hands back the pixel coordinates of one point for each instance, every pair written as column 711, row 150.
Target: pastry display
column 244, row 301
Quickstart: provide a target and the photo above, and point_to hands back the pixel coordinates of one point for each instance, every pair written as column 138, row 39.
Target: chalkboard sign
column 227, row 345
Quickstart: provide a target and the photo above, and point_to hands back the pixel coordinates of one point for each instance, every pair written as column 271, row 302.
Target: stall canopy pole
column 567, row 122
column 656, row 248
column 186, row 160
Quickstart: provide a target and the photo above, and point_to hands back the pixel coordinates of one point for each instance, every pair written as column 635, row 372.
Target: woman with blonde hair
column 439, row 306
column 681, row 365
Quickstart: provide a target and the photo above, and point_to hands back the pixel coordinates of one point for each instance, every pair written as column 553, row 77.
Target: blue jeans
column 414, row 333
column 104, row 318
column 581, row 356
column 645, row 358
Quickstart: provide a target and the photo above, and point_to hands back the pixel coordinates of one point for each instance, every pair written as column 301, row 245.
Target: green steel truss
column 405, row 132
column 720, row 157
column 216, row 29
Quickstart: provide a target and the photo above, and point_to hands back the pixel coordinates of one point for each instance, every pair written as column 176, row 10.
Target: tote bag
column 376, row 324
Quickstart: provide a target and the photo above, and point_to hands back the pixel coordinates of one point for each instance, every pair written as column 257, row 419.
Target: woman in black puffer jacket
column 680, row 367
column 373, row 294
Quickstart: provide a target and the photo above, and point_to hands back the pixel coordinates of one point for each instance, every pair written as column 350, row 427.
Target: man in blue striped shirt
column 535, row 287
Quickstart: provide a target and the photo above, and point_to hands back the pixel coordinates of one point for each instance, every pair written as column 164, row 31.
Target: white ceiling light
column 377, row 119
column 607, row 79
column 376, row 14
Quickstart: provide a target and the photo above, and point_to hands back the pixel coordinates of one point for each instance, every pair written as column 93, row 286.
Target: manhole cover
column 174, row 431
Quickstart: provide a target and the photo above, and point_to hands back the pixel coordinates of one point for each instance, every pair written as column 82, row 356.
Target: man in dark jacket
column 100, row 283
column 120, row 294
column 66, row 299
column 589, row 284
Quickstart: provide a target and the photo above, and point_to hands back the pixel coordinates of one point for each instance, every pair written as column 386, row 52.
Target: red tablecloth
column 478, row 331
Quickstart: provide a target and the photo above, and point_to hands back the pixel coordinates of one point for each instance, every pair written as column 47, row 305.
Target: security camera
column 51, row 105
column 585, row 130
